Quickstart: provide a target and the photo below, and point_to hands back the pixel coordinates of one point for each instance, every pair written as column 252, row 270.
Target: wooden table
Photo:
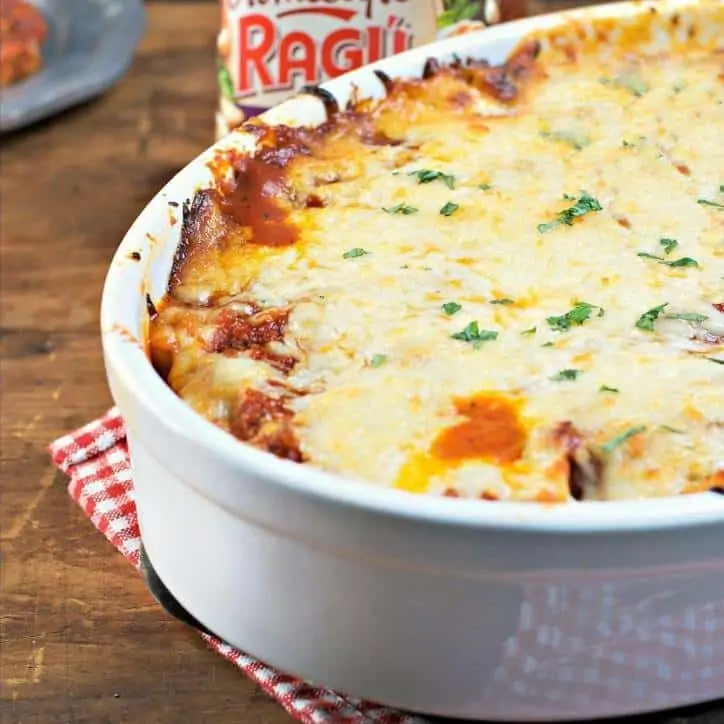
column 83, row 642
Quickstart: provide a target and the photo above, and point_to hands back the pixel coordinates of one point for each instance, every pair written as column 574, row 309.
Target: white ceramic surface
column 505, row 611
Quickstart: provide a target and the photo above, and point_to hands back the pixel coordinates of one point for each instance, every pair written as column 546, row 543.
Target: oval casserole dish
column 508, row 611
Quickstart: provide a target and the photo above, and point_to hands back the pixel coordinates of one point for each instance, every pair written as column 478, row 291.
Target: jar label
column 269, row 49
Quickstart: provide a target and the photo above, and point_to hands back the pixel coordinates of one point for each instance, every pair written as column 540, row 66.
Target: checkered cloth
column 96, row 459
column 587, row 642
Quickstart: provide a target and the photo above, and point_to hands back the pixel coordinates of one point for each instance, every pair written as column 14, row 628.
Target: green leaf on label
column 474, row 335
column 449, row 209
column 451, row 308
column 566, row 375
column 619, row 440
column 354, row 253
column 403, row 209
column 647, row 320
column 585, row 204
column 426, row 176
column 378, row 360
column 226, row 84
column 580, row 313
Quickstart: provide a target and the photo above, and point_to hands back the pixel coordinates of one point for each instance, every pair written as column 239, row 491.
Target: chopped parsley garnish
column 484, row 187
column 530, row 330
column 630, row 80
column 647, row 320
column 706, row 202
column 580, row 313
column 401, row 209
column 354, row 253
column 575, row 139
column 606, row 388
column 688, row 317
column 715, row 360
column 426, row 176
column 566, row 375
column 619, row 440
column 504, row 300
column 585, row 204
column 547, row 344
column 378, row 360
column 476, row 336
column 449, row 209
column 627, row 144
column 669, row 245
column 673, row 430
column 451, row 308
column 682, row 262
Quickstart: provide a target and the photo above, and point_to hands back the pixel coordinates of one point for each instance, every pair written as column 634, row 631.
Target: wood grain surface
column 82, row 641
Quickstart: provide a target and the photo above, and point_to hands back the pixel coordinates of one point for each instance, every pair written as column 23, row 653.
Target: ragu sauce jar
column 269, row 49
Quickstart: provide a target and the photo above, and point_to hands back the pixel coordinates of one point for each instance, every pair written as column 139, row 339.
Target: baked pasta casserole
column 497, row 282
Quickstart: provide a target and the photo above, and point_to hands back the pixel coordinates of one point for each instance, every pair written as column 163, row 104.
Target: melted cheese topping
column 541, row 318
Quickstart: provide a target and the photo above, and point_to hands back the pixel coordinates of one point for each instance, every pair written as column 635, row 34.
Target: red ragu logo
column 281, row 45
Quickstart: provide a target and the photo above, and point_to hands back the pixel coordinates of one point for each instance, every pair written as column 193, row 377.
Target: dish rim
column 131, row 366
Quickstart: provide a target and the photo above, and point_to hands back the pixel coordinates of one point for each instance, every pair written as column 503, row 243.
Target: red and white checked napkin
column 567, row 649
column 96, row 459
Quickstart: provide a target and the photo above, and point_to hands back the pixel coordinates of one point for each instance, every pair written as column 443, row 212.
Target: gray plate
column 90, row 45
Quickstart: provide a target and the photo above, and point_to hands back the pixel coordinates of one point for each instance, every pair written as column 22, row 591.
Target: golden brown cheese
column 497, row 282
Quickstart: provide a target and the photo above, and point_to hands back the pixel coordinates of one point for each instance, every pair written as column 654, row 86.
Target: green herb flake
column 354, row 253
column 684, row 261
column 706, row 202
column 627, row 144
column 566, row 375
column 606, row 388
column 648, row 319
column 672, row 430
column 575, row 139
column 484, row 187
column 426, row 176
column 580, row 314
column 585, row 204
column 619, row 440
column 529, row 331
column 403, row 209
column 451, row 308
column 449, row 209
column 504, row 301
column 715, row 360
column 378, row 360
column 688, row 317
column 475, row 336
column 669, row 245
column 630, row 80
column 547, row 344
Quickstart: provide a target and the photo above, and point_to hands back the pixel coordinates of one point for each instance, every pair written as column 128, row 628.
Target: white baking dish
column 503, row 611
